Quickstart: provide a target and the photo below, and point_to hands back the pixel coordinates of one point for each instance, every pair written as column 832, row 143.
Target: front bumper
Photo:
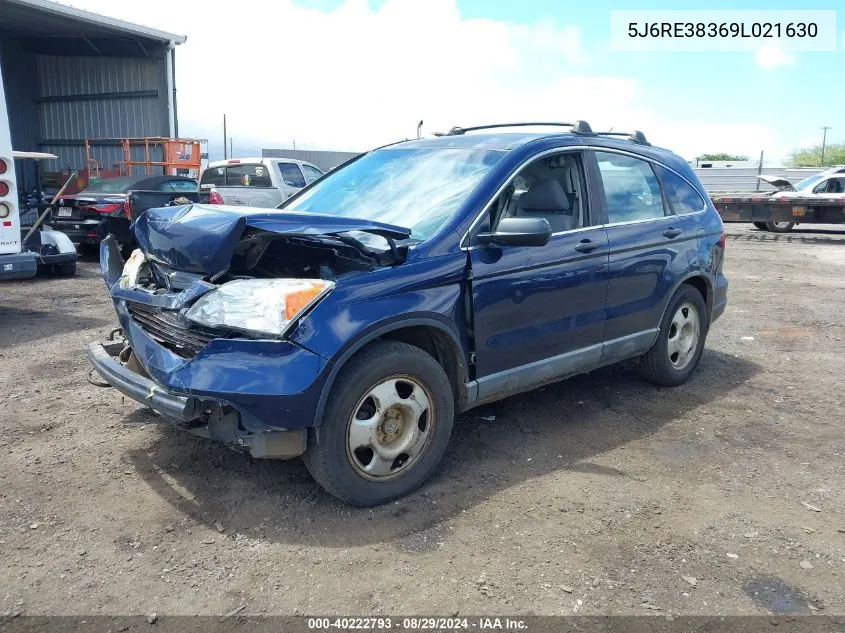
column 18, row 265
column 200, row 416
column 241, row 391
column 104, row 359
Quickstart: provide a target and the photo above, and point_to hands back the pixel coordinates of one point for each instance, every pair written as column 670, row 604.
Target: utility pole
column 825, row 128
column 231, row 151
column 225, row 136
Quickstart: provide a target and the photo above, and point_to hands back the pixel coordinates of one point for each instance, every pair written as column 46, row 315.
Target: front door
column 538, row 311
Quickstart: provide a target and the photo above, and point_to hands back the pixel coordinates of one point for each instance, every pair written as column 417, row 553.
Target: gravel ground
column 598, row 495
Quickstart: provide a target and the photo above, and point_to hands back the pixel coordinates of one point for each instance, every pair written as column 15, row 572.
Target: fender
column 372, row 334
column 708, row 300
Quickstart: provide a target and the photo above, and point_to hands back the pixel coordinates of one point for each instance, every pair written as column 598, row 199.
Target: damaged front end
column 205, row 305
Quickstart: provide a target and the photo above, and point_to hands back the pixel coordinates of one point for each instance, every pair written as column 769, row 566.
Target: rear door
column 291, row 178
column 538, row 311
column 647, row 251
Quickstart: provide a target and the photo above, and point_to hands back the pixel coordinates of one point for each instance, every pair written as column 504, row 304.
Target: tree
column 834, row 154
column 723, row 156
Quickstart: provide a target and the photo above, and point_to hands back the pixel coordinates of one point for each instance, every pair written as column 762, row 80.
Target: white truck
column 44, row 249
column 256, row 182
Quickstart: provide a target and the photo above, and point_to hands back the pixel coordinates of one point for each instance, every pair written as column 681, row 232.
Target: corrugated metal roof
column 47, row 18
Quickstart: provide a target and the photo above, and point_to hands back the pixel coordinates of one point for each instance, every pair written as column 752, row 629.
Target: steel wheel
column 684, row 332
column 781, row 225
column 391, row 428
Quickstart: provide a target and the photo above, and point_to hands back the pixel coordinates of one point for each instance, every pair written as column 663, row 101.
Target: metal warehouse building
column 71, row 75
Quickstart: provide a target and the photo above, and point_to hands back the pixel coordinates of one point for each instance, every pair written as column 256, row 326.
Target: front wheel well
column 440, row 346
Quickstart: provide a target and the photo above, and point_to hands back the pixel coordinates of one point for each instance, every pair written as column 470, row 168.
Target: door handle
column 586, row 246
column 672, row 233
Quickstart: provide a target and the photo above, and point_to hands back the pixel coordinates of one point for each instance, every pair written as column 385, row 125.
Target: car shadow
column 495, row 447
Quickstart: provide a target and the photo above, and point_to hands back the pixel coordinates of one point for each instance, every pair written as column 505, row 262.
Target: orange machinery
column 177, row 153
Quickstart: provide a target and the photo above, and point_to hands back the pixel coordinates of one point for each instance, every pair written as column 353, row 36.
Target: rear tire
column 779, row 227
column 760, row 225
column 387, row 422
column 677, row 350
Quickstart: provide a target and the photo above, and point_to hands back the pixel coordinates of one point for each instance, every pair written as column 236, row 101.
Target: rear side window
column 213, row 176
column 179, row 185
column 679, row 193
column 291, row 175
column 311, row 173
column 248, row 176
column 631, row 188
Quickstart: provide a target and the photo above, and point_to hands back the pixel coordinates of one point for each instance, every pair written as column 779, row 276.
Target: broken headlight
column 263, row 306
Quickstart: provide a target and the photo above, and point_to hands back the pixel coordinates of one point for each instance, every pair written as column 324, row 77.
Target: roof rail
column 579, row 127
column 457, row 131
column 636, row 136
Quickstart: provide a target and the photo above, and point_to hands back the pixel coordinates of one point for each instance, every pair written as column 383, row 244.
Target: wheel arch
column 700, row 282
column 429, row 334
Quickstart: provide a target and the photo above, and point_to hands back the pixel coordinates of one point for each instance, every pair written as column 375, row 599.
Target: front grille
column 172, row 330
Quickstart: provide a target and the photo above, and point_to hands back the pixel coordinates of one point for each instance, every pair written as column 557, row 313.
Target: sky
column 350, row 75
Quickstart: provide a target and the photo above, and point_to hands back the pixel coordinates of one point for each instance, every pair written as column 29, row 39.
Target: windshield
column 414, row 188
column 109, row 185
column 808, row 182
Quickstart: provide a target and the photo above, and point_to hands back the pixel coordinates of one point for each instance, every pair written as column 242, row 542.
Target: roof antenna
column 419, row 129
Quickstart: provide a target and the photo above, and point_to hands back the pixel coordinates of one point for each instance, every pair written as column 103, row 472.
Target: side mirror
column 518, row 232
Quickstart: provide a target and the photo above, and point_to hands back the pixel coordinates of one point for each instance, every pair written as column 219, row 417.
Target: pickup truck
column 256, row 182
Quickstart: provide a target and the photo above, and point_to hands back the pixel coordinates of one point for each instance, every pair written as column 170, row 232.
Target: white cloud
column 358, row 76
column 771, row 56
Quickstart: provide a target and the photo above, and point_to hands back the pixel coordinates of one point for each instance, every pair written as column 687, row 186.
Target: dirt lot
column 602, row 494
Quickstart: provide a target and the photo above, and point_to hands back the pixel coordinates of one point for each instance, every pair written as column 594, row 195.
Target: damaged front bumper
column 256, row 395
column 200, row 416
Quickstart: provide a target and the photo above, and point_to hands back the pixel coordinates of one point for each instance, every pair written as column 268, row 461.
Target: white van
column 256, row 182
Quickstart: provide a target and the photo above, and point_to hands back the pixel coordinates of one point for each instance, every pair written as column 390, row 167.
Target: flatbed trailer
column 779, row 213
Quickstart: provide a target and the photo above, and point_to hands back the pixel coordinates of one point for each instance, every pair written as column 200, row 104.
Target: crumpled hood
column 201, row 238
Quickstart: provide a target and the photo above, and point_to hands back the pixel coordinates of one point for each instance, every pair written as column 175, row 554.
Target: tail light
column 105, row 208
column 4, row 188
column 3, row 166
column 127, row 208
column 215, row 198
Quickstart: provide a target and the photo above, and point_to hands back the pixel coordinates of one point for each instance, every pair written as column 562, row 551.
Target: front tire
column 387, row 422
column 779, row 227
column 677, row 350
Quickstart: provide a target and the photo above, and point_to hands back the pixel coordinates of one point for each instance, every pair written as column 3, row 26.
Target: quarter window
column 291, row 175
column 631, row 188
column 681, row 195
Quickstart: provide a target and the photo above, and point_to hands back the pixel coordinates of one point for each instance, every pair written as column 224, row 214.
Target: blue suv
column 416, row 281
